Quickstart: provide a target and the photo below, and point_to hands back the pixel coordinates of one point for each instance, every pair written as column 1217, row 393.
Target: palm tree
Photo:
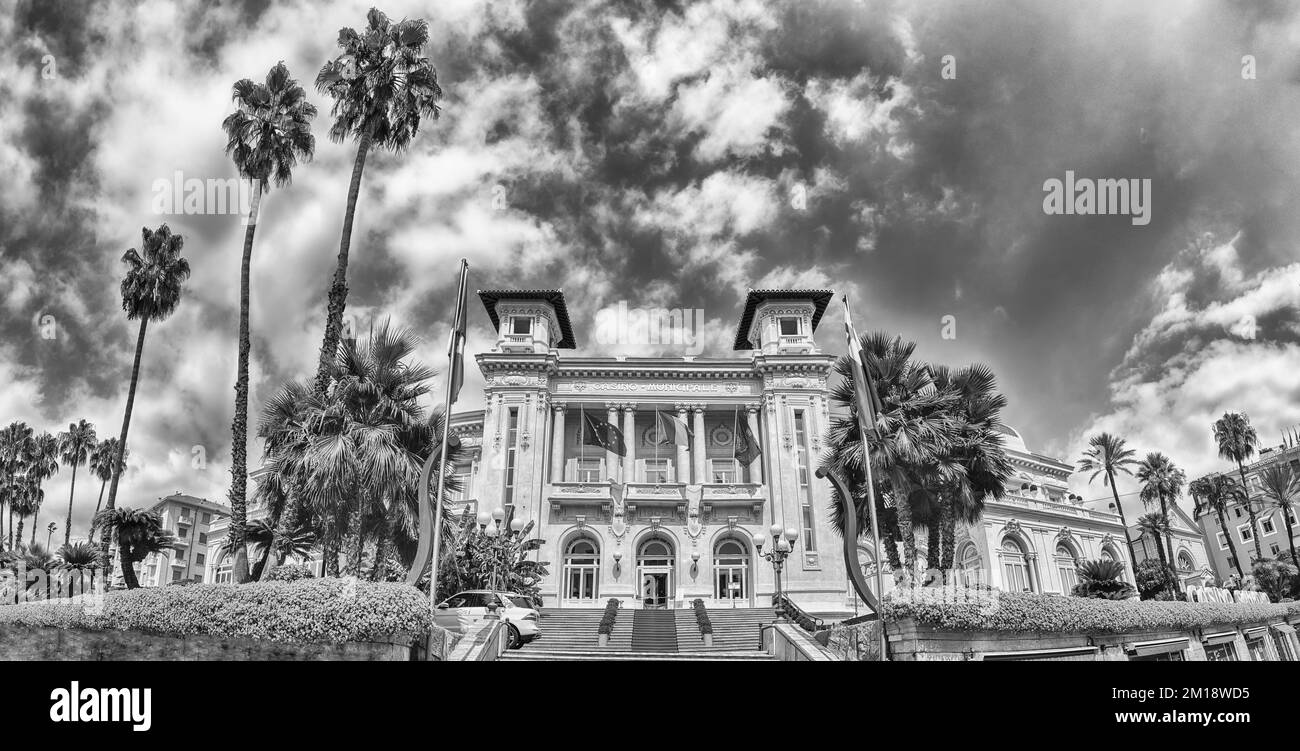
column 1280, row 489
column 101, row 463
column 138, row 533
column 75, row 447
column 1237, row 441
column 81, row 557
column 1218, row 493
column 42, row 464
column 913, row 432
column 1162, row 481
column 1110, row 455
column 27, row 502
column 382, row 87
column 1156, row 524
column 15, row 449
column 267, row 134
column 151, row 290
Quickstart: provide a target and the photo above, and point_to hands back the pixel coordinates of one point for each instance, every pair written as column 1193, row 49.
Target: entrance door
column 655, row 588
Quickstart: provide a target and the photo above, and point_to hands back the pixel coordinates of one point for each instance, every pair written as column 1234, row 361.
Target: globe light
column 775, row 529
column 498, row 513
column 491, row 531
column 618, row 555
column 516, row 524
column 760, row 540
column 695, row 555
column 791, row 534
column 483, row 518
column 782, row 545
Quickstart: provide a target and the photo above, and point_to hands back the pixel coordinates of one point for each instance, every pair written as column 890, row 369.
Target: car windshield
column 520, row 602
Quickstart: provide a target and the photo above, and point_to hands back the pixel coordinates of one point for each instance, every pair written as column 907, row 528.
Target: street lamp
column 783, row 543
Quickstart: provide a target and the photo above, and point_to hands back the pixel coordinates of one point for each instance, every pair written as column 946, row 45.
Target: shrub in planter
column 1275, row 578
column 702, row 617
column 292, row 572
column 1154, row 580
column 607, row 620
column 1103, row 580
column 309, row 610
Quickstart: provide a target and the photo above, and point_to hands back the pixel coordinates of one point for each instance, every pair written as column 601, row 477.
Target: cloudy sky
column 674, row 155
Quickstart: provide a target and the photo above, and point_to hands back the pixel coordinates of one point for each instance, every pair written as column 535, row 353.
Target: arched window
column 1066, row 565
column 1015, row 567
column 730, row 570
column 1106, row 555
column 582, row 570
column 971, row 565
column 225, row 570
column 1185, row 562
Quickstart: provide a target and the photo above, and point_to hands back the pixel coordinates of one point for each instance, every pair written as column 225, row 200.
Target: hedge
column 307, row 610
column 970, row 610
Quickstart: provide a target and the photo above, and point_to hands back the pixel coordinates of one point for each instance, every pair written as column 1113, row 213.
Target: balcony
column 1014, row 498
column 517, row 343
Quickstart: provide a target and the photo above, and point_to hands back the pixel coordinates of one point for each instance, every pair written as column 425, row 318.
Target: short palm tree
column 1162, row 482
column 382, row 87
column 15, row 449
column 138, row 533
column 1218, row 493
column 101, row 462
column 151, row 291
column 1103, row 580
column 267, row 134
column 79, row 555
column 1109, row 455
column 1237, row 441
column 41, row 466
column 1281, row 488
column 74, row 449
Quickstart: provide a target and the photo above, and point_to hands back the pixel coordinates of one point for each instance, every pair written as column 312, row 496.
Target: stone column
column 698, row 444
column 756, row 466
column 557, row 445
column 612, row 465
column 629, row 440
column 682, row 470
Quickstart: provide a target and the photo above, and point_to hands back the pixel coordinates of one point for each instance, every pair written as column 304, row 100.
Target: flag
column 747, row 449
column 598, row 432
column 864, row 390
column 456, row 347
column 673, row 428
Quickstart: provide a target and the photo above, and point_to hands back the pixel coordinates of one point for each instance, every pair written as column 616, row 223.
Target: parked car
column 458, row 612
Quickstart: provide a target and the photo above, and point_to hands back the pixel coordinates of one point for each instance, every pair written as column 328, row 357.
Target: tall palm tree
column 382, row 87
column 138, row 533
column 27, row 503
column 913, row 433
column 1109, row 455
column 1156, row 525
column 75, row 447
column 267, row 135
column 102, row 458
column 41, row 466
column 1162, row 481
column 1218, row 493
column 1280, row 489
column 151, row 290
column 1237, row 441
column 15, row 449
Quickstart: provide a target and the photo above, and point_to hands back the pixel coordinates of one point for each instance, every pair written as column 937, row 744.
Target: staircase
column 654, row 631
column 598, row 655
column 734, row 629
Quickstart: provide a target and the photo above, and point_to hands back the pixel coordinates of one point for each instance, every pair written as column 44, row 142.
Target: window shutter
column 672, row 471
column 604, row 473
column 639, row 471
column 571, row 470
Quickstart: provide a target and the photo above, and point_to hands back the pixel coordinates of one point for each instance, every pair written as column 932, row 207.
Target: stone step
column 617, row 656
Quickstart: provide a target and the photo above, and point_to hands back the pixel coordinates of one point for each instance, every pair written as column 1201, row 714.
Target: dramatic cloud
column 670, row 156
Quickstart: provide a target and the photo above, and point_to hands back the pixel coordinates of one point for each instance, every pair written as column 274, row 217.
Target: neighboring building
column 192, row 521
column 686, row 526
column 220, row 564
column 1272, row 529
column 1191, row 560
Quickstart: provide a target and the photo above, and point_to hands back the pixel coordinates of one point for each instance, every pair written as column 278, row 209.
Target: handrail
column 809, row 623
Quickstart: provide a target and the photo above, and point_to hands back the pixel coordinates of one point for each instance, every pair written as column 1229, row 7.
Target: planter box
column 708, row 640
column 603, row 640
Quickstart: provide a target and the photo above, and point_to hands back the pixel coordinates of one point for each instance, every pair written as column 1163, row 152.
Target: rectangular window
column 805, row 491
column 658, row 470
column 176, row 576
column 589, row 470
column 1245, row 533
column 1237, row 511
column 1221, row 653
column 1274, row 549
column 724, row 471
column 512, row 439
column 203, row 538
column 789, row 327
column 207, row 517
column 1266, row 526
column 1232, row 561
column 522, row 325
column 198, row 559
column 1223, row 540
column 182, row 532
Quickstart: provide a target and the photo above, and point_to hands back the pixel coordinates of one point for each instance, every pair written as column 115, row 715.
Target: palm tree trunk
column 67, row 530
column 1290, row 535
column 1169, row 541
column 338, row 292
column 128, row 570
column 948, row 522
column 286, row 526
column 1128, row 540
column 933, row 544
column 1250, row 509
column 1232, row 547
column 36, row 520
column 121, row 446
column 102, row 484
column 239, row 428
column 20, row 530
column 903, row 507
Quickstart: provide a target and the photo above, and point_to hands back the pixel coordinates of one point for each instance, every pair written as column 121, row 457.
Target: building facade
column 192, row 521
column 690, row 511
column 1191, row 559
column 1271, row 525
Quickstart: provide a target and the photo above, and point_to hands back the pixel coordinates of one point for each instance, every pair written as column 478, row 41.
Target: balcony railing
column 1016, row 499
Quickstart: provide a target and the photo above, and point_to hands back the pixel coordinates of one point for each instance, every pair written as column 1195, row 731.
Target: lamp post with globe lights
column 782, row 544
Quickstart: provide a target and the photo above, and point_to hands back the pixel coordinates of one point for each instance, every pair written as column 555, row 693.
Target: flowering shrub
column 309, row 610
column 291, row 572
column 1024, row 611
column 702, row 617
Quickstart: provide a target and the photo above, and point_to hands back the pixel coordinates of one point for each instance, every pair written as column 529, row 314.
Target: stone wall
column 49, row 644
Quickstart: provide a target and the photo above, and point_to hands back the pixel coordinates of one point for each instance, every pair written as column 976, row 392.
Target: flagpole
column 446, row 434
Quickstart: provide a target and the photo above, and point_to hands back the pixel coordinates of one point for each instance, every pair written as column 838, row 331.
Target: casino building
column 686, row 524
